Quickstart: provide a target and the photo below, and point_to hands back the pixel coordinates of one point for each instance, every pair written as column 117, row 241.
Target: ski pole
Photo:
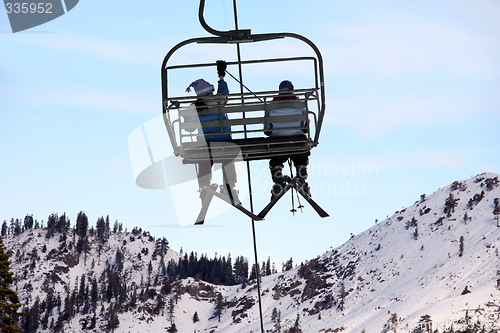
column 231, row 75
column 296, row 192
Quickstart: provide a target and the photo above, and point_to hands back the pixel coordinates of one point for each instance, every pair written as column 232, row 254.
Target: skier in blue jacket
column 206, row 98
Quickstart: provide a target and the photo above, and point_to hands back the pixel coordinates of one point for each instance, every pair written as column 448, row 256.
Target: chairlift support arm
column 253, row 38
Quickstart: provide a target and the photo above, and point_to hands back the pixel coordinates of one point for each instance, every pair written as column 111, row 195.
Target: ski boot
column 279, row 180
column 301, row 179
column 203, row 193
column 233, row 196
column 304, row 186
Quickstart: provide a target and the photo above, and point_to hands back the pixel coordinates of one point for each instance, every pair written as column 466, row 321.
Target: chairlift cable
column 240, row 72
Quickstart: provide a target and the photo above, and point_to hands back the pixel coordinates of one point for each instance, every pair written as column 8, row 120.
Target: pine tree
column 93, row 322
column 342, row 295
column 172, row 328
column 274, row 315
column 106, row 225
column 48, row 310
column 51, row 221
column 253, row 273
column 31, row 317
column 9, row 301
column 450, row 204
column 296, row 326
column 82, row 224
column 161, row 247
column 171, row 309
column 115, row 226
column 219, row 306
column 424, row 324
column 81, row 293
column 461, row 247
column 150, row 271
column 17, row 227
column 496, row 212
column 133, row 298
column 227, row 271
column 94, row 293
column 195, row 317
column 28, row 222
column 240, row 269
column 86, row 249
column 277, row 322
column 113, row 322
column 392, row 322
column 288, row 265
column 101, row 228
column 118, row 260
column 4, row 228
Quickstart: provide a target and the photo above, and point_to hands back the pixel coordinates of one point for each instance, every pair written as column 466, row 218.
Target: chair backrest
column 252, row 119
column 285, row 126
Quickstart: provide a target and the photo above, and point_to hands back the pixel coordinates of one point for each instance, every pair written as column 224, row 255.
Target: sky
column 412, row 95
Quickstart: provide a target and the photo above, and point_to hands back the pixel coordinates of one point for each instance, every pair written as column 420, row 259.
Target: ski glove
column 221, row 68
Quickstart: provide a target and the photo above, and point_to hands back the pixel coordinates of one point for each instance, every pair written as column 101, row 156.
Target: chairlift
column 249, row 112
column 249, row 117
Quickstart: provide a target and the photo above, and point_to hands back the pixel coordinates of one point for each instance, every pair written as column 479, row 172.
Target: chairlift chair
column 248, row 112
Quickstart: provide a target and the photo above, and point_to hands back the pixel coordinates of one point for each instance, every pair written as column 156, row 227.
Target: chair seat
column 250, row 149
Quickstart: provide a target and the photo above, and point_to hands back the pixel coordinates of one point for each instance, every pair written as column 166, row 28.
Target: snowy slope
column 59, row 269
column 386, row 271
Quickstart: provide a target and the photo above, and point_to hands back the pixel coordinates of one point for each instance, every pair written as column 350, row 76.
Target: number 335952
column 25, row 8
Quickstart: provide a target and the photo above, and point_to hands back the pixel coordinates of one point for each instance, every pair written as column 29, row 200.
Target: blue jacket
column 211, row 100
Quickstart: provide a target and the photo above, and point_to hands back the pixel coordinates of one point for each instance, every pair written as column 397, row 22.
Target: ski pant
column 299, row 161
column 205, row 173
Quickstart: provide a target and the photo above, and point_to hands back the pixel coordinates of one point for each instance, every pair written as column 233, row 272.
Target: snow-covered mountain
column 436, row 262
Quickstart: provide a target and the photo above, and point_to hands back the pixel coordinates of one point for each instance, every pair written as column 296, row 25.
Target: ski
column 273, row 201
column 204, row 209
column 293, row 184
column 321, row 212
column 239, row 207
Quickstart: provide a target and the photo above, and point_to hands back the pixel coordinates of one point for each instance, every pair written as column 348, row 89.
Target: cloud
column 121, row 166
column 126, row 101
column 372, row 113
column 447, row 161
column 405, row 44
column 132, row 52
column 117, row 101
column 65, row 129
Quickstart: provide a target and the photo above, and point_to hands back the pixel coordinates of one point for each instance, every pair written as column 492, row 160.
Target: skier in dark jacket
column 299, row 161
